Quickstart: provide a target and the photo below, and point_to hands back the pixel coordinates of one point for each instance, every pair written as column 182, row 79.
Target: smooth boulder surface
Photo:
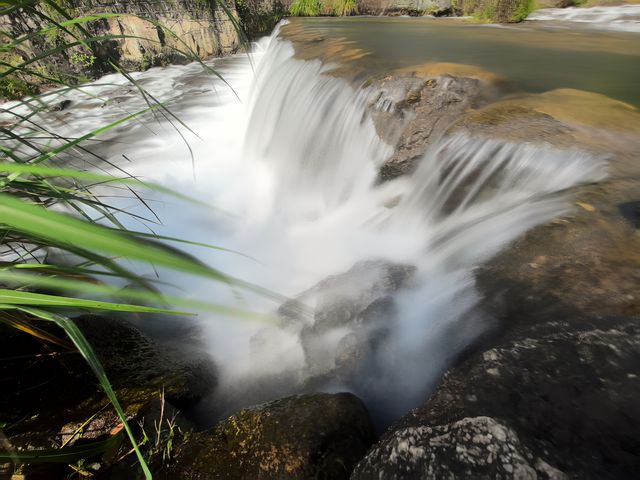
column 317, row 436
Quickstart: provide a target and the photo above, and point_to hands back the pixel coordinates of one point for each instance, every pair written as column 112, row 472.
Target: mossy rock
column 317, row 436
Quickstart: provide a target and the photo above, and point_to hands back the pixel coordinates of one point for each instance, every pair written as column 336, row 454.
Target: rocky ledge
column 551, row 392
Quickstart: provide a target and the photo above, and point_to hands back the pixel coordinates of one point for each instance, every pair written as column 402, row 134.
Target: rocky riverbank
column 95, row 37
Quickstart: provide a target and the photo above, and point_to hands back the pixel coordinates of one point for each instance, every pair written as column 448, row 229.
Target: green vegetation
column 342, row 8
column 15, row 87
column 500, row 11
column 524, row 8
column 306, row 8
column 257, row 19
column 486, row 14
column 315, row 8
column 62, row 246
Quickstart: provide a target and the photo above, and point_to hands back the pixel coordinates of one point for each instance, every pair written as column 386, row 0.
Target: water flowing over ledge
column 292, row 154
column 623, row 17
column 312, row 137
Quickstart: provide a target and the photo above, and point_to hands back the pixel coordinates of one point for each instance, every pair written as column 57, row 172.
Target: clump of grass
column 523, row 9
column 343, row 8
column 306, row 8
column 486, row 14
column 315, row 8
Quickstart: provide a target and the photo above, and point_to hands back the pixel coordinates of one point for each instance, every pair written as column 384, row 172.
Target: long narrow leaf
column 18, row 298
column 59, row 228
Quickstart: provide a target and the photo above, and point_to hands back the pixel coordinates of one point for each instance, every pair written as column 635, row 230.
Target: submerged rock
column 342, row 320
column 319, row 436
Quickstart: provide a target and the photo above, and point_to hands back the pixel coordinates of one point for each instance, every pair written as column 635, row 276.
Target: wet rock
column 473, row 447
column 63, row 105
column 319, row 436
column 559, row 370
column 412, row 110
column 136, row 362
column 342, row 320
column 566, row 391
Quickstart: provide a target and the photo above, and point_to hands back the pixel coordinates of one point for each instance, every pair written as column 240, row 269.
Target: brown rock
column 319, row 436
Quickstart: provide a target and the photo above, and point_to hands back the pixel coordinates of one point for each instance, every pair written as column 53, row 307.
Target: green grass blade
column 45, row 171
column 19, row 298
column 80, row 286
column 58, row 228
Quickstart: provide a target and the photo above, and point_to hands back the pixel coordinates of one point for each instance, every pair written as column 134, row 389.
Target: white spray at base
column 295, row 163
column 322, row 213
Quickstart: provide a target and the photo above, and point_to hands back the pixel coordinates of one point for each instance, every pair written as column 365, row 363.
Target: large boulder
column 319, row 436
column 558, row 400
column 473, row 447
column 414, row 107
column 344, row 319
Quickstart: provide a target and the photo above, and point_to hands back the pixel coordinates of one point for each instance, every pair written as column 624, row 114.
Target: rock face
column 473, row 447
column 136, row 362
column 556, row 401
column 317, row 436
column 552, row 392
column 155, row 33
column 413, row 109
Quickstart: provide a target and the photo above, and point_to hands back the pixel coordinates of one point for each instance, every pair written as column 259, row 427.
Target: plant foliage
column 61, row 242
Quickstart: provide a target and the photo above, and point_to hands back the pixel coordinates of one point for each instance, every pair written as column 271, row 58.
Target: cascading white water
column 618, row 17
column 293, row 161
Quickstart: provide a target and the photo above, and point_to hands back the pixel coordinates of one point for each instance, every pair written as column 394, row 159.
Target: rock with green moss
column 318, row 436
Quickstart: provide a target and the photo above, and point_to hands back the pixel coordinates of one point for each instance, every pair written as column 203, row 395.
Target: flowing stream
column 288, row 157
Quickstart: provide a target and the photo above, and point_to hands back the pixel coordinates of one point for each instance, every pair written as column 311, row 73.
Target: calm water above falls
column 535, row 56
column 290, row 157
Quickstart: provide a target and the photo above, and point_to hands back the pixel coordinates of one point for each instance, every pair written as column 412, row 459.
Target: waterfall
column 290, row 155
column 617, row 17
column 323, row 212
